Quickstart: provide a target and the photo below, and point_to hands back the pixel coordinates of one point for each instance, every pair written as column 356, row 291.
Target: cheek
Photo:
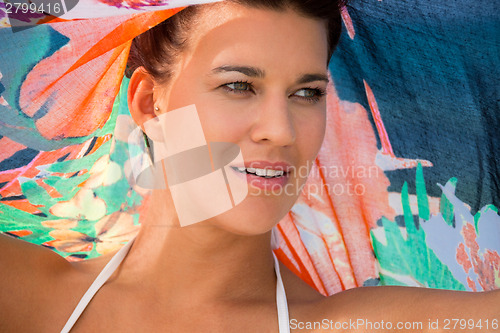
column 222, row 122
column 310, row 133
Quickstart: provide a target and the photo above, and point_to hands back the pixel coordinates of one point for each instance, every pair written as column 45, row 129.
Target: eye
column 312, row 95
column 239, row 87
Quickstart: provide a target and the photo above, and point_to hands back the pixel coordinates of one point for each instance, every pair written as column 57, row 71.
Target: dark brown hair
column 158, row 48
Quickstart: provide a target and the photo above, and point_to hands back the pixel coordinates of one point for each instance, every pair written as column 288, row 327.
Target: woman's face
column 257, row 78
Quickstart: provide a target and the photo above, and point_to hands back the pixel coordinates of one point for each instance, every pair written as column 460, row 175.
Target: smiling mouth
column 263, row 173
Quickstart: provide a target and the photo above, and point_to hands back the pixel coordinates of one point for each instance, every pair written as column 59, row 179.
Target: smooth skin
column 217, row 275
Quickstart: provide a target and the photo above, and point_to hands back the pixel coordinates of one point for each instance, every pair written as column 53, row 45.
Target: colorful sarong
column 406, row 187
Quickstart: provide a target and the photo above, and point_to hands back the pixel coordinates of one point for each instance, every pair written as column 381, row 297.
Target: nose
column 274, row 122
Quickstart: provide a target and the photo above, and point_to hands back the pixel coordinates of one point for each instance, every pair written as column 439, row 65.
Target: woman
column 244, row 67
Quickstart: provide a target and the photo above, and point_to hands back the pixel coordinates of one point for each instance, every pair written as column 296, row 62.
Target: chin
column 252, row 217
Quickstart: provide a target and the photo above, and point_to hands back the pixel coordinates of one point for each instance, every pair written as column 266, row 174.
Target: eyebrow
column 259, row 73
column 248, row 71
column 312, row 78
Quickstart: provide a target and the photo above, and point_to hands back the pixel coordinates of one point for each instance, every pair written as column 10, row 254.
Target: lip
column 279, row 165
column 267, row 184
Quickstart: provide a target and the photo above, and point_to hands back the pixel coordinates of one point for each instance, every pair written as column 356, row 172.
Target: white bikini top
column 281, row 302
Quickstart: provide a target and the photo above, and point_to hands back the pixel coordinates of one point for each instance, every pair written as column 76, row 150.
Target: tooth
column 241, row 169
column 251, row 170
column 271, row 173
column 279, row 173
column 260, row 172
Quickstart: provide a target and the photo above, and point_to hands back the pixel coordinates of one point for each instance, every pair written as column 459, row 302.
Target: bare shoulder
column 408, row 301
column 24, row 263
column 37, row 285
column 305, row 304
column 388, row 309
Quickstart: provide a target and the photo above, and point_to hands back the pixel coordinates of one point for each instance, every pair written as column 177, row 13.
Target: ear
column 140, row 97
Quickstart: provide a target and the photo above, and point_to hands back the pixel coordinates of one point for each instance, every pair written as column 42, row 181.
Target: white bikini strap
column 281, row 302
column 99, row 281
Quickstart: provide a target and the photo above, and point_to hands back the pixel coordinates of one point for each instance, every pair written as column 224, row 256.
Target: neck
column 201, row 262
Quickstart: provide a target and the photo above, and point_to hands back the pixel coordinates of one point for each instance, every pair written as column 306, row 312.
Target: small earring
column 157, row 108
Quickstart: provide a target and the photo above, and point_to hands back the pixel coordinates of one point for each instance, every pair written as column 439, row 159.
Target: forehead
column 236, row 33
